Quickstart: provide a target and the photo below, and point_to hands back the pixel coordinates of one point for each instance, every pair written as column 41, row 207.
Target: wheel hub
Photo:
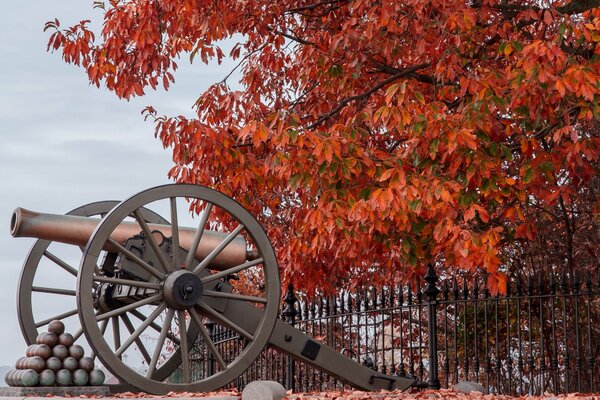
column 182, row 289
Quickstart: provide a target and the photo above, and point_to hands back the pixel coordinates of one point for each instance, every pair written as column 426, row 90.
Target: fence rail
column 543, row 335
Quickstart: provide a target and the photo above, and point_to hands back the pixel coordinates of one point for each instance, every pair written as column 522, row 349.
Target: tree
column 372, row 137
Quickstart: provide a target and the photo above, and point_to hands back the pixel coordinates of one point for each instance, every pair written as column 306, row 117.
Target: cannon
column 147, row 289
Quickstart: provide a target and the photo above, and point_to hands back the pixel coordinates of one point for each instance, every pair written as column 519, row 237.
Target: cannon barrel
column 77, row 230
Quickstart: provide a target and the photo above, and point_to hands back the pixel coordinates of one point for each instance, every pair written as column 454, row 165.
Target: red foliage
column 372, row 137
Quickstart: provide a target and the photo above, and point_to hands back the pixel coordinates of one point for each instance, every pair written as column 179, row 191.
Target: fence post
column 431, row 291
column 210, row 368
column 289, row 313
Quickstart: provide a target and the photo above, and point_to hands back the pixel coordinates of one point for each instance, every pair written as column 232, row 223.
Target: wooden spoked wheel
column 49, row 273
column 184, row 290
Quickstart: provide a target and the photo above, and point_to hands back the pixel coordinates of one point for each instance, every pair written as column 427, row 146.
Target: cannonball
column 54, row 364
column 29, row 378
column 66, row 339
column 80, row 378
column 47, row 378
column 60, row 351
column 70, row 363
column 47, row 338
column 42, row 350
column 30, row 349
column 96, row 377
column 35, row 363
column 56, row 327
column 12, row 378
column 8, row 378
column 19, row 363
column 16, row 378
column 64, row 378
column 76, row 351
column 86, row 364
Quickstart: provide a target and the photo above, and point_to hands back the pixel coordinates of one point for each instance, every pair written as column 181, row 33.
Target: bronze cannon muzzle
column 76, row 230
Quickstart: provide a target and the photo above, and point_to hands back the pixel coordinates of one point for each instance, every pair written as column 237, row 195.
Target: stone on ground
column 264, row 390
column 468, row 387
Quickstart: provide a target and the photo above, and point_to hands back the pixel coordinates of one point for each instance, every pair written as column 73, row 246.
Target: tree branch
column 294, row 38
column 381, row 67
column 574, row 7
column 224, row 80
column 402, row 74
column 313, row 6
column 578, row 6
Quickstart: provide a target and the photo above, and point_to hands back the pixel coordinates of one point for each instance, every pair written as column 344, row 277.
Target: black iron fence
column 543, row 335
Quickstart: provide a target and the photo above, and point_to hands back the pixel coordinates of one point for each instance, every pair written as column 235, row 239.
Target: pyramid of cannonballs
column 55, row 361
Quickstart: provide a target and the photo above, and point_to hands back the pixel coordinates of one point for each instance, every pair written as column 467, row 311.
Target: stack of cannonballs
column 54, row 361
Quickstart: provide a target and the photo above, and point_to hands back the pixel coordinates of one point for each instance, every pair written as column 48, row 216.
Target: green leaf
column 294, row 181
column 420, row 97
column 528, row 175
column 433, row 147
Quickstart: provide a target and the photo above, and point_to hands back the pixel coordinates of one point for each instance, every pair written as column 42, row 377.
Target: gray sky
column 65, row 143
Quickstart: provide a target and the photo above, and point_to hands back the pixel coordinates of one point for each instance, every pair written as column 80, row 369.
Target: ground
column 359, row 395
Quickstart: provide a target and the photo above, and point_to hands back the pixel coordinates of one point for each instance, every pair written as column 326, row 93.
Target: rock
column 263, row 390
column 468, row 386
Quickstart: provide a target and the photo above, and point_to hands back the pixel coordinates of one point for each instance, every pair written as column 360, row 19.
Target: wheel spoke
column 139, row 330
column 175, row 232
column 42, row 289
column 232, row 270
column 209, row 343
column 160, row 342
column 154, row 326
column 183, row 347
column 159, row 253
column 77, row 334
column 103, row 327
column 59, row 317
column 194, row 248
column 116, row 333
column 127, row 282
column 138, row 342
column 128, row 307
column 215, row 252
column 149, row 268
column 60, row 263
column 217, row 317
column 234, row 296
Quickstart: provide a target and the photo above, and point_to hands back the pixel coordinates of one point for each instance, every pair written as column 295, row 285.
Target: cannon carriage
column 147, row 287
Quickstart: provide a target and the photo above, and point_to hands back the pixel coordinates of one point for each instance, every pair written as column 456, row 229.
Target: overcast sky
column 65, row 143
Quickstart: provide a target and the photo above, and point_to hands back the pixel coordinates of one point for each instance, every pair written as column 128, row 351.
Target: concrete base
column 72, row 391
